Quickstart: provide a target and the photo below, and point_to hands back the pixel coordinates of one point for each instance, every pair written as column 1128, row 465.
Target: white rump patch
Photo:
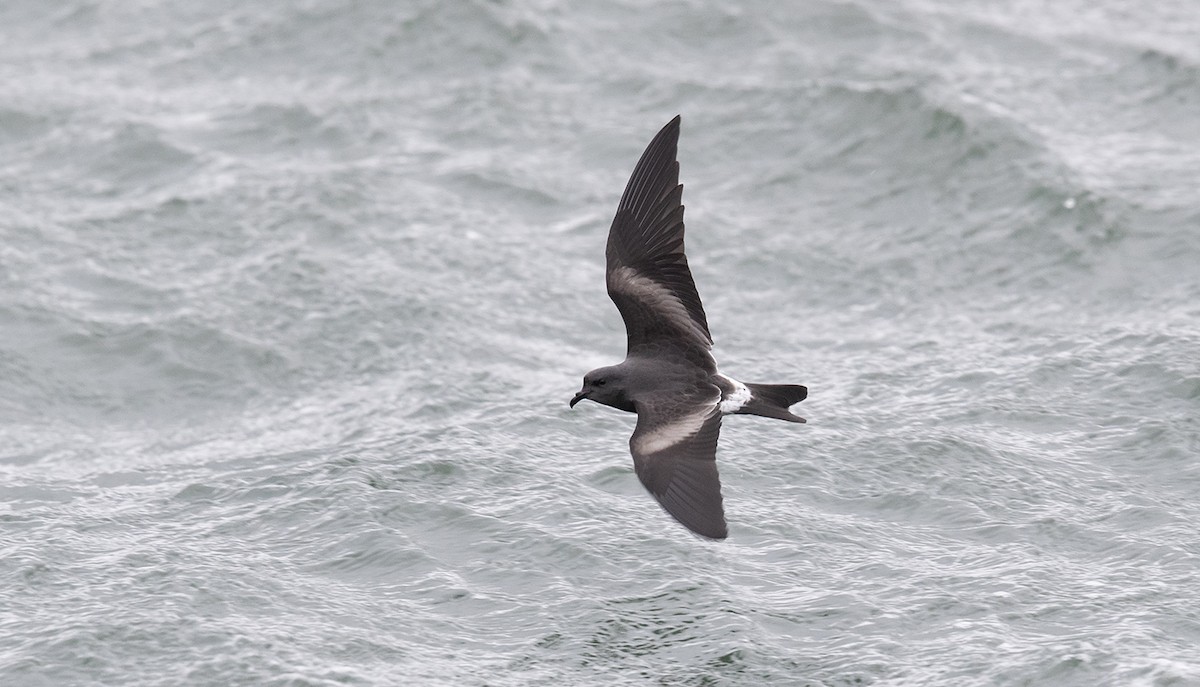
column 665, row 436
column 659, row 298
column 737, row 399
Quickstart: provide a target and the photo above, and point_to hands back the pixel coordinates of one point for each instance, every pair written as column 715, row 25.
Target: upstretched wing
column 648, row 276
column 675, row 456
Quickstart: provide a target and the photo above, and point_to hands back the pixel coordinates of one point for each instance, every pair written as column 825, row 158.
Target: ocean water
column 293, row 296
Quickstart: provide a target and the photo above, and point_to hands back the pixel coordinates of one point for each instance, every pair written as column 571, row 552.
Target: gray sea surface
column 293, row 296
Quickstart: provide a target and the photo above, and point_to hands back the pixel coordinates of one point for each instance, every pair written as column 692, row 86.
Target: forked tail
column 773, row 400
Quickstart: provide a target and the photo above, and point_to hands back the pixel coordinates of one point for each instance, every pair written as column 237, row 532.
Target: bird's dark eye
column 601, row 382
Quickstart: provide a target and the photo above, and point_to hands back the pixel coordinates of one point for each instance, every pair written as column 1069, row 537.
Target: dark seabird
column 669, row 377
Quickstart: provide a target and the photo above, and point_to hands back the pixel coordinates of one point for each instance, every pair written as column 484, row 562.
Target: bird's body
column 669, row 377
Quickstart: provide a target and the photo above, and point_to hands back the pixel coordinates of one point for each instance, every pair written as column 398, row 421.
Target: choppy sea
column 293, row 296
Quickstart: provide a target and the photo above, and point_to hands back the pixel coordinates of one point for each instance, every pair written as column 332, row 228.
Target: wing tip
column 699, row 523
column 713, row 531
column 672, row 128
column 669, row 132
column 718, row 535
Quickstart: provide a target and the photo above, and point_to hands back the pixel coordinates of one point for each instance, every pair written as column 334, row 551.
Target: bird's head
column 605, row 385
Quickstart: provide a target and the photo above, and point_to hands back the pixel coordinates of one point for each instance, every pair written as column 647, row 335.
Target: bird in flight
column 669, row 377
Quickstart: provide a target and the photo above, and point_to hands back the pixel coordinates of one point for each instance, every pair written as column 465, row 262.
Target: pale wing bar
column 657, row 309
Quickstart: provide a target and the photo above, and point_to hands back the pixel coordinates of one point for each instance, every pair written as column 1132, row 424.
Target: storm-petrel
column 669, row 377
